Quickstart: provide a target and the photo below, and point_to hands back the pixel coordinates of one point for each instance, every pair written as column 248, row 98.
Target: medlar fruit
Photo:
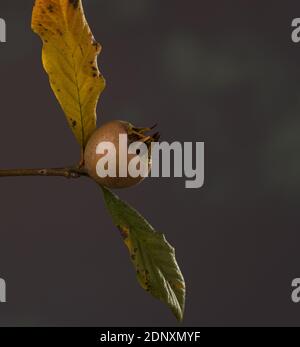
column 110, row 132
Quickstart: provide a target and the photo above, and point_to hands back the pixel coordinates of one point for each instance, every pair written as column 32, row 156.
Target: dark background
column 226, row 73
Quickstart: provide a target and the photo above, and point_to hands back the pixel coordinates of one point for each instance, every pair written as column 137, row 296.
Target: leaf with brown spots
column 152, row 256
column 70, row 58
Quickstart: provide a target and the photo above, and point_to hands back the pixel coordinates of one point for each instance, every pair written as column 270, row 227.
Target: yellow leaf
column 70, row 59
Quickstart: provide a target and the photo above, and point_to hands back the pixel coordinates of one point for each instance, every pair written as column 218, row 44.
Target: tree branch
column 68, row 172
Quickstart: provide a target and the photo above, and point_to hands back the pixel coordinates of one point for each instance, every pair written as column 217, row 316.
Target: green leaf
column 152, row 256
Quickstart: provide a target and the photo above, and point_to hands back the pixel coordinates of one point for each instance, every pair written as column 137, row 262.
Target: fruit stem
column 68, row 172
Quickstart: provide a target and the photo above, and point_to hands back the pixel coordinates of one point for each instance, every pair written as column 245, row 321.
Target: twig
column 68, row 172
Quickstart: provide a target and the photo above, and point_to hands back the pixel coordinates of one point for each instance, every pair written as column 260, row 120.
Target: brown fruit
column 110, row 132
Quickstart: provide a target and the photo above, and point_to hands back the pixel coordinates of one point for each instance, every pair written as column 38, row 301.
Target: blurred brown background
column 226, row 73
